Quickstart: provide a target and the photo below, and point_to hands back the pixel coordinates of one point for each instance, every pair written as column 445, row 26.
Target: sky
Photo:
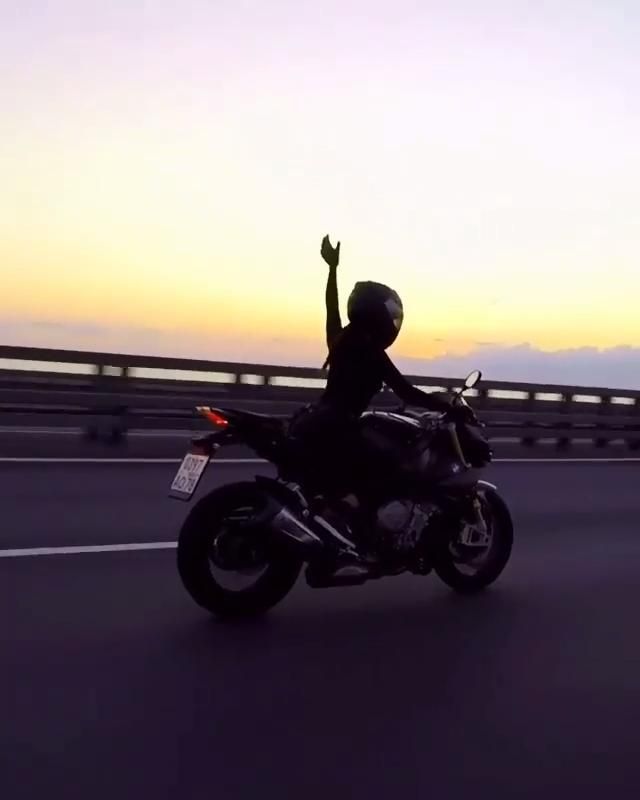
column 168, row 170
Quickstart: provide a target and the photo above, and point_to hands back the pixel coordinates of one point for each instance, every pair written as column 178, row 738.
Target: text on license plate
column 189, row 474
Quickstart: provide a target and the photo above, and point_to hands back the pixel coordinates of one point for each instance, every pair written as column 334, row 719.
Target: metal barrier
column 108, row 394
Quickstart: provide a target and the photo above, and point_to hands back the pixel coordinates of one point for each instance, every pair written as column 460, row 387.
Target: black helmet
column 376, row 309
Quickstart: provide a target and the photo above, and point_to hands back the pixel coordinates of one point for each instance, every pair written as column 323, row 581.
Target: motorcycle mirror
column 472, row 379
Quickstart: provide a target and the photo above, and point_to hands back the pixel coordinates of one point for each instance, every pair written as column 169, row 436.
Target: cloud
column 74, row 329
column 140, row 340
column 617, row 367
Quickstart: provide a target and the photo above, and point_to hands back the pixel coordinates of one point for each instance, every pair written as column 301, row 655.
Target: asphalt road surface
column 113, row 684
column 42, row 442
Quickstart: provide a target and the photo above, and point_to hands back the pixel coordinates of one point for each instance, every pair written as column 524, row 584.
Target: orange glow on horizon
column 171, row 192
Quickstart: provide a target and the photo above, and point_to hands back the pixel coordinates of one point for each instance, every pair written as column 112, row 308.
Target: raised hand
column 330, row 254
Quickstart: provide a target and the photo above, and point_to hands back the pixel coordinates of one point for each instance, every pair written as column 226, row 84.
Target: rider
column 358, row 368
column 358, row 363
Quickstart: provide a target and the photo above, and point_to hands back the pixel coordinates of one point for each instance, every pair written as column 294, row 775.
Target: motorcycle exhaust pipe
column 287, row 528
column 286, row 524
column 295, row 530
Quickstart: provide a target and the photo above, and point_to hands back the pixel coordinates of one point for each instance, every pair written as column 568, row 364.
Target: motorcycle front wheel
column 468, row 570
column 214, row 550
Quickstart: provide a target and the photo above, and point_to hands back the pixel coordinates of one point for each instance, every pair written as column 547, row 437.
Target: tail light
column 214, row 417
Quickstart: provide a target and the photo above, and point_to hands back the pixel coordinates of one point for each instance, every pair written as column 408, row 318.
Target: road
column 115, row 685
column 43, row 442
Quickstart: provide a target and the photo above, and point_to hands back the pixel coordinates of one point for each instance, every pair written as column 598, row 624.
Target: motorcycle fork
column 475, row 531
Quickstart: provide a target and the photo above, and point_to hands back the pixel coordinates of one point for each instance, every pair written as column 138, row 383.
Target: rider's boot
column 346, row 559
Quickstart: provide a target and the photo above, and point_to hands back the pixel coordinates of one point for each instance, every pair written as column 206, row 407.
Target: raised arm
column 332, row 256
column 410, row 394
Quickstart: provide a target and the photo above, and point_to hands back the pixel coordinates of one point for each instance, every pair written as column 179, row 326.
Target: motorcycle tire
column 446, row 567
column 195, row 543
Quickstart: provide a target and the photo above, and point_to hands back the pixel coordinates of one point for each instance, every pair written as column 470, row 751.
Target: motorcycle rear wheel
column 198, row 551
column 448, row 568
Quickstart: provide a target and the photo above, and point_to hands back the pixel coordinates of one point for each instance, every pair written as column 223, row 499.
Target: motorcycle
column 431, row 511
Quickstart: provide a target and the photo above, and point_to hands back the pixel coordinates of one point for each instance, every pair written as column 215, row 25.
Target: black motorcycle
column 431, row 511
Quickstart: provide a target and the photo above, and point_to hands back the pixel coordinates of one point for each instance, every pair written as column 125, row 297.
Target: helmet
column 377, row 310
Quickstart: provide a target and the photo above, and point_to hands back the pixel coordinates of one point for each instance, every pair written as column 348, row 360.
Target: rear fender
column 210, row 443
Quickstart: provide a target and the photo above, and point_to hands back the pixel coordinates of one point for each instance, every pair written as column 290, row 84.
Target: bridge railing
column 108, row 394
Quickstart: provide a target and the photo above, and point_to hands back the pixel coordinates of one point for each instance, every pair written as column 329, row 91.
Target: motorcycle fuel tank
column 391, row 428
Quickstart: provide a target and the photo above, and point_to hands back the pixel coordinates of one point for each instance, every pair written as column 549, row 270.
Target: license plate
column 188, row 476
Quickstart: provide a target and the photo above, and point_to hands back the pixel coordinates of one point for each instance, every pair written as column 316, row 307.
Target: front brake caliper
column 474, row 532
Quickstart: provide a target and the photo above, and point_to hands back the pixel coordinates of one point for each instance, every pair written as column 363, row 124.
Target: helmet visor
column 395, row 312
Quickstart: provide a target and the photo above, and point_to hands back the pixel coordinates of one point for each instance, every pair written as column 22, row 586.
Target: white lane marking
column 604, row 460
column 181, row 433
column 38, row 460
column 114, row 548
column 6, row 429
column 165, row 433
column 76, row 550
column 240, row 461
column 151, row 434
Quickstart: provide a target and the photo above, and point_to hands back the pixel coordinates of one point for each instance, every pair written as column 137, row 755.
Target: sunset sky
column 168, row 169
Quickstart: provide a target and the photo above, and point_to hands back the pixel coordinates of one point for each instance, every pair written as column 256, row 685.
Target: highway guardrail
column 108, row 394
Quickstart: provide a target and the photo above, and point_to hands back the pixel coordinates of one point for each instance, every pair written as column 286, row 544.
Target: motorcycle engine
column 400, row 524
